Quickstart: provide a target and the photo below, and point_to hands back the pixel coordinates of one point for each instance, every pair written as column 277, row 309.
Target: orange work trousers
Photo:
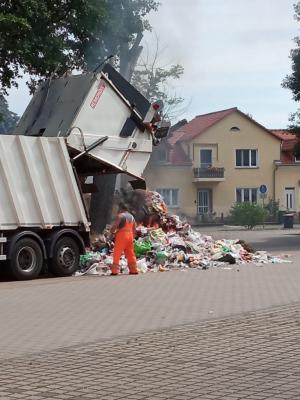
column 124, row 244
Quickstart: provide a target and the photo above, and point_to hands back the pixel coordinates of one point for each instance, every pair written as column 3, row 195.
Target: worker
column 124, row 230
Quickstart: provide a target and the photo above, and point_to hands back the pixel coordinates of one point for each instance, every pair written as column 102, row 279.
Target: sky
column 235, row 53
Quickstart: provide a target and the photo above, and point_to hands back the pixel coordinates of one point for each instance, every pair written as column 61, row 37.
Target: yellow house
column 221, row 158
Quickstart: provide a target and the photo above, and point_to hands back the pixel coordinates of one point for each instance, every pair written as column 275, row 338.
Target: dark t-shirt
column 124, row 218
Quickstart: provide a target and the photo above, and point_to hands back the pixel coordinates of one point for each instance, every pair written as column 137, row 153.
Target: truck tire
column 66, row 256
column 27, row 259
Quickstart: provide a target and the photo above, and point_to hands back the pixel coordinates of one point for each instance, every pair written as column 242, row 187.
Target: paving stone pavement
column 255, row 356
column 46, row 314
column 219, row 334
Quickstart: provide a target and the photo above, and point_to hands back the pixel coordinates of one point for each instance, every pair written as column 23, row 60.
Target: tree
column 53, row 36
column 292, row 81
column 154, row 81
column 43, row 37
column 123, row 33
column 8, row 119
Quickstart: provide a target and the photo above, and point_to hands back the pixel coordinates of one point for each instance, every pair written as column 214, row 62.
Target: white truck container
column 74, row 127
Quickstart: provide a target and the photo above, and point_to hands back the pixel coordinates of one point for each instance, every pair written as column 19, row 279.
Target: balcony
column 209, row 174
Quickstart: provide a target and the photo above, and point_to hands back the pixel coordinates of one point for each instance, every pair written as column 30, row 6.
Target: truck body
column 74, row 128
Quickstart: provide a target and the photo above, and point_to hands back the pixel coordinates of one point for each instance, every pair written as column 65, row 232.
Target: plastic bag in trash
column 142, row 265
column 141, row 247
column 161, row 257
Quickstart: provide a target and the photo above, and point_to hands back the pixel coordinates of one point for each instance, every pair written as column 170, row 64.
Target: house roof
column 198, row 125
column 283, row 134
column 201, row 123
column 289, row 140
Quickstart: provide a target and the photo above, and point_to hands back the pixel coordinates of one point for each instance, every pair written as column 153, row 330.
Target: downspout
column 274, row 173
column 274, row 181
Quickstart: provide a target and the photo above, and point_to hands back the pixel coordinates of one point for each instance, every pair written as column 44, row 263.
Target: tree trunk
column 129, row 57
column 102, row 202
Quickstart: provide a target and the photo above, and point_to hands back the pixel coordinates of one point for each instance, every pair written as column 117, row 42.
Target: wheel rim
column 27, row 259
column 66, row 257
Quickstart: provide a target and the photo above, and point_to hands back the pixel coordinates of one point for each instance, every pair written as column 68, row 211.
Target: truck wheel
column 66, row 256
column 27, row 259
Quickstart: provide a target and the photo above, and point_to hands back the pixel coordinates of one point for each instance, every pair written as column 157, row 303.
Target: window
column 246, row 194
column 170, row 196
column 205, row 158
column 246, row 158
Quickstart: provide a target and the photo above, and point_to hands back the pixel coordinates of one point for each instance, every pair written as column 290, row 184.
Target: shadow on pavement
column 290, row 242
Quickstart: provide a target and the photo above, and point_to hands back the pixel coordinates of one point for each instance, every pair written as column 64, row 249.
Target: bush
column 247, row 214
column 272, row 208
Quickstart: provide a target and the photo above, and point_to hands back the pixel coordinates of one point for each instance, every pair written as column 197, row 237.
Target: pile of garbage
column 171, row 244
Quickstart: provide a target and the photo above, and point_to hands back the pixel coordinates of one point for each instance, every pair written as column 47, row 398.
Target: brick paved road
column 111, row 338
column 253, row 357
column 46, row 314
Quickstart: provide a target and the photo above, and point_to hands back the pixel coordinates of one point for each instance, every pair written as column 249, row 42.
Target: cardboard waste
column 170, row 244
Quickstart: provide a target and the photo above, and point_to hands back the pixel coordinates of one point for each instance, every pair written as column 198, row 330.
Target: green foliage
column 272, row 208
column 292, row 81
column 8, row 119
column 152, row 81
column 41, row 37
column 296, row 149
column 247, row 214
column 53, row 36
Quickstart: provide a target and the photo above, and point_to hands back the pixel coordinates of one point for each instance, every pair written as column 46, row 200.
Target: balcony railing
column 211, row 172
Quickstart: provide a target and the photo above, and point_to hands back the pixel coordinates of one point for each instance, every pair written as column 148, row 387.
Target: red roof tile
column 202, row 122
column 198, row 125
column 289, row 140
column 283, row 134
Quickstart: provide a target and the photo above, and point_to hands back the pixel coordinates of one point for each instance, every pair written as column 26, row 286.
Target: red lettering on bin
column 98, row 94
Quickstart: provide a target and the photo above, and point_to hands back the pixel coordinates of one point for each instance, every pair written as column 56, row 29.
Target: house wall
column 250, row 136
column 224, row 143
column 287, row 176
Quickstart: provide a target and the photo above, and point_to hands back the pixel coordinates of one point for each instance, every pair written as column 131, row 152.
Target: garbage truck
column 75, row 127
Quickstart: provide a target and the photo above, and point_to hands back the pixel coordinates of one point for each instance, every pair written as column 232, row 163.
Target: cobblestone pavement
column 254, row 356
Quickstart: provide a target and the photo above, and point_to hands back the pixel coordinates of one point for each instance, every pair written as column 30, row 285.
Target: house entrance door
column 289, row 195
column 204, row 200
